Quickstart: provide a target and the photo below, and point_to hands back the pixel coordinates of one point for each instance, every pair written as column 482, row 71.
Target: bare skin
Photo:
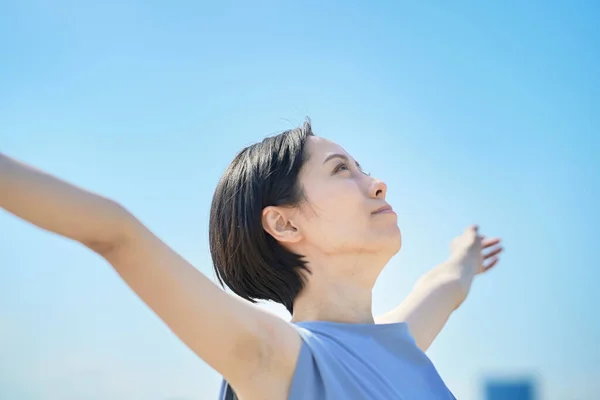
column 346, row 242
column 444, row 288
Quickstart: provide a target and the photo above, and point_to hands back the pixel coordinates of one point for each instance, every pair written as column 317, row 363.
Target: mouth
column 387, row 209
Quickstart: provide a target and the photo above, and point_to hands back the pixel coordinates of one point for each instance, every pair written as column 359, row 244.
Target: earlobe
column 277, row 224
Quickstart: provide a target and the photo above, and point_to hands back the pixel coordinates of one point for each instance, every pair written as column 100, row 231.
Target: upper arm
column 232, row 335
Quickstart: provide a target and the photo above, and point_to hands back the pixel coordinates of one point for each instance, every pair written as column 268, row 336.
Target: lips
column 385, row 209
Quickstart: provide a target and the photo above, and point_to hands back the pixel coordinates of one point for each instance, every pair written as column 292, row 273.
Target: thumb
column 472, row 229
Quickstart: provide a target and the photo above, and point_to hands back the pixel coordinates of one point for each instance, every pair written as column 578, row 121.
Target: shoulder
column 281, row 345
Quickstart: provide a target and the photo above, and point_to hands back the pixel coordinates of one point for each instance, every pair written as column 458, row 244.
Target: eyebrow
column 335, row 155
column 338, row 155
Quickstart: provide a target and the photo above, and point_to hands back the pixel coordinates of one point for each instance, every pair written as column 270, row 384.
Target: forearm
column 427, row 309
column 58, row 206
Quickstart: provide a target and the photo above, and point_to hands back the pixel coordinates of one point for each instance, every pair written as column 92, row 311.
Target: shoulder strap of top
column 226, row 392
column 230, row 394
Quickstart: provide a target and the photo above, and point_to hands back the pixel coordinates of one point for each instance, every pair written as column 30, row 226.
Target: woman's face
column 343, row 210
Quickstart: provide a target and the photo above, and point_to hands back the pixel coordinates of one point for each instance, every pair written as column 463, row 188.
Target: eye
column 340, row 167
column 360, row 168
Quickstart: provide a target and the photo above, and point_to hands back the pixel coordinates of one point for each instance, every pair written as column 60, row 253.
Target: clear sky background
column 471, row 111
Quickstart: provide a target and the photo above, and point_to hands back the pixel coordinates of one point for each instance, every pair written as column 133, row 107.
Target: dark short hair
column 246, row 258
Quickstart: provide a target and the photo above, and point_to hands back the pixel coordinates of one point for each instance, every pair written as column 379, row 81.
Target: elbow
column 116, row 229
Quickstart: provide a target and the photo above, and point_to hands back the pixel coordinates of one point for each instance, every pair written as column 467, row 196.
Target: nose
column 378, row 189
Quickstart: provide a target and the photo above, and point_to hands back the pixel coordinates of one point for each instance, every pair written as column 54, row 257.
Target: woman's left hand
column 471, row 254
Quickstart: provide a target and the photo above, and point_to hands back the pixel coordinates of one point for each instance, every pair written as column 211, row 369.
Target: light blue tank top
column 360, row 361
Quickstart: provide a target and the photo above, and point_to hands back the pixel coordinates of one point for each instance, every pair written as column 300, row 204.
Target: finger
column 488, row 242
column 493, row 253
column 491, row 264
column 472, row 229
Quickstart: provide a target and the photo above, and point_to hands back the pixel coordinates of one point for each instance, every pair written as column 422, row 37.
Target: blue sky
column 471, row 111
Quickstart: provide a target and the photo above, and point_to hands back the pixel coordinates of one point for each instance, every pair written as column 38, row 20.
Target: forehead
column 320, row 148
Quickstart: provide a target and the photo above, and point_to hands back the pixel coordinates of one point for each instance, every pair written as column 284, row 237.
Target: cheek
column 338, row 210
column 338, row 201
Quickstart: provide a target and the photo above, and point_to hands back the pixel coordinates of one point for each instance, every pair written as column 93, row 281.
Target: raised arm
column 441, row 290
column 236, row 338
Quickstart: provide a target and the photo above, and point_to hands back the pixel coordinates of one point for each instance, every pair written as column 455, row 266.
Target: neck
column 337, row 293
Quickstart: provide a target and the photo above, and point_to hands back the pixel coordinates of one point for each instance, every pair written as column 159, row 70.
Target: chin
column 398, row 244
column 397, row 239
column 392, row 242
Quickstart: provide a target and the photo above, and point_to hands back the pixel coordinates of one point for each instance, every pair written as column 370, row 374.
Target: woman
column 295, row 220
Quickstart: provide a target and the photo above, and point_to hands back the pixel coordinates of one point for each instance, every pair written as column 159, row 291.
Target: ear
column 278, row 223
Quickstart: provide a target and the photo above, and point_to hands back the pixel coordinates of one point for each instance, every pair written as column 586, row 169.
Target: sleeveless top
column 360, row 361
